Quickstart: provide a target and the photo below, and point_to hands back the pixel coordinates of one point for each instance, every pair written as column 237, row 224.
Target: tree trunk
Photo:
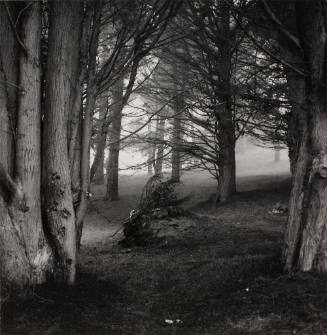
column 224, row 114
column 15, row 269
column 9, row 58
column 77, row 97
column 160, row 147
column 113, row 162
column 177, row 138
column 306, row 233
column 65, row 25
column 226, row 160
column 87, row 121
column 276, row 155
column 28, row 144
column 97, row 169
column 25, row 253
column 297, row 96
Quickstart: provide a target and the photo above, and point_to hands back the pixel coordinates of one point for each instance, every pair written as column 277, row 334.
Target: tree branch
column 8, row 187
column 274, row 19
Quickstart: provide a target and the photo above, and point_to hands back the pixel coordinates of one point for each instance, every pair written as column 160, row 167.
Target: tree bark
column 97, row 169
column 296, row 94
column 65, row 25
column 296, row 86
column 87, row 122
column 114, row 147
column 28, row 144
column 26, row 256
column 306, row 234
column 15, row 269
column 77, row 97
column 9, row 62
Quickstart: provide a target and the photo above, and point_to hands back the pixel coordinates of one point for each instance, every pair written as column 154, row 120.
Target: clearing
column 221, row 275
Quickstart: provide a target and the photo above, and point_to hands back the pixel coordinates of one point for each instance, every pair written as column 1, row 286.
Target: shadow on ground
column 222, row 275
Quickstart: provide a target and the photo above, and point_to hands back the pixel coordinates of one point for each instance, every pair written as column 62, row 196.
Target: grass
column 221, row 275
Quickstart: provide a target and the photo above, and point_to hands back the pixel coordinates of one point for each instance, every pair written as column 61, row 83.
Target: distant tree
column 103, row 122
column 114, row 146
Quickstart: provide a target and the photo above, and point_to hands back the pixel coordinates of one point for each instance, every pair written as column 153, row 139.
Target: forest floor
column 221, row 275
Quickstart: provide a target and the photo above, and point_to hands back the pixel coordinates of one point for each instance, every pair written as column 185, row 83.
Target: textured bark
column 306, row 234
column 9, row 64
column 25, row 253
column 296, row 85
column 65, row 25
column 87, row 121
column 75, row 163
column 113, row 162
column 297, row 97
column 15, row 269
column 97, row 168
column 28, row 145
column 76, row 98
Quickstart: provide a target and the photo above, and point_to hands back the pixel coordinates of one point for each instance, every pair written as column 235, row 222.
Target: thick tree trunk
column 9, row 61
column 28, row 144
column 8, row 87
column 25, row 253
column 226, row 160
column 306, row 233
column 65, row 25
column 15, row 269
column 297, row 96
column 305, row 238
column 113, row 162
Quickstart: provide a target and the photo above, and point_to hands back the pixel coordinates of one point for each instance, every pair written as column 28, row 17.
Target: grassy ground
column 222, row 275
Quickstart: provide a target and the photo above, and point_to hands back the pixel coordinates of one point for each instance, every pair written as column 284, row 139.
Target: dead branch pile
column 157, row 202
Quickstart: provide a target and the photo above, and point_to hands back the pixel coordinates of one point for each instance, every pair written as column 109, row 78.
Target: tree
column 305, row 238
column 97, row 168
column 63, row 52
column 178, row 108
column 114, row 146
column 25, row 252
column 302, row 43
column 38, row 236
column 200, row 68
